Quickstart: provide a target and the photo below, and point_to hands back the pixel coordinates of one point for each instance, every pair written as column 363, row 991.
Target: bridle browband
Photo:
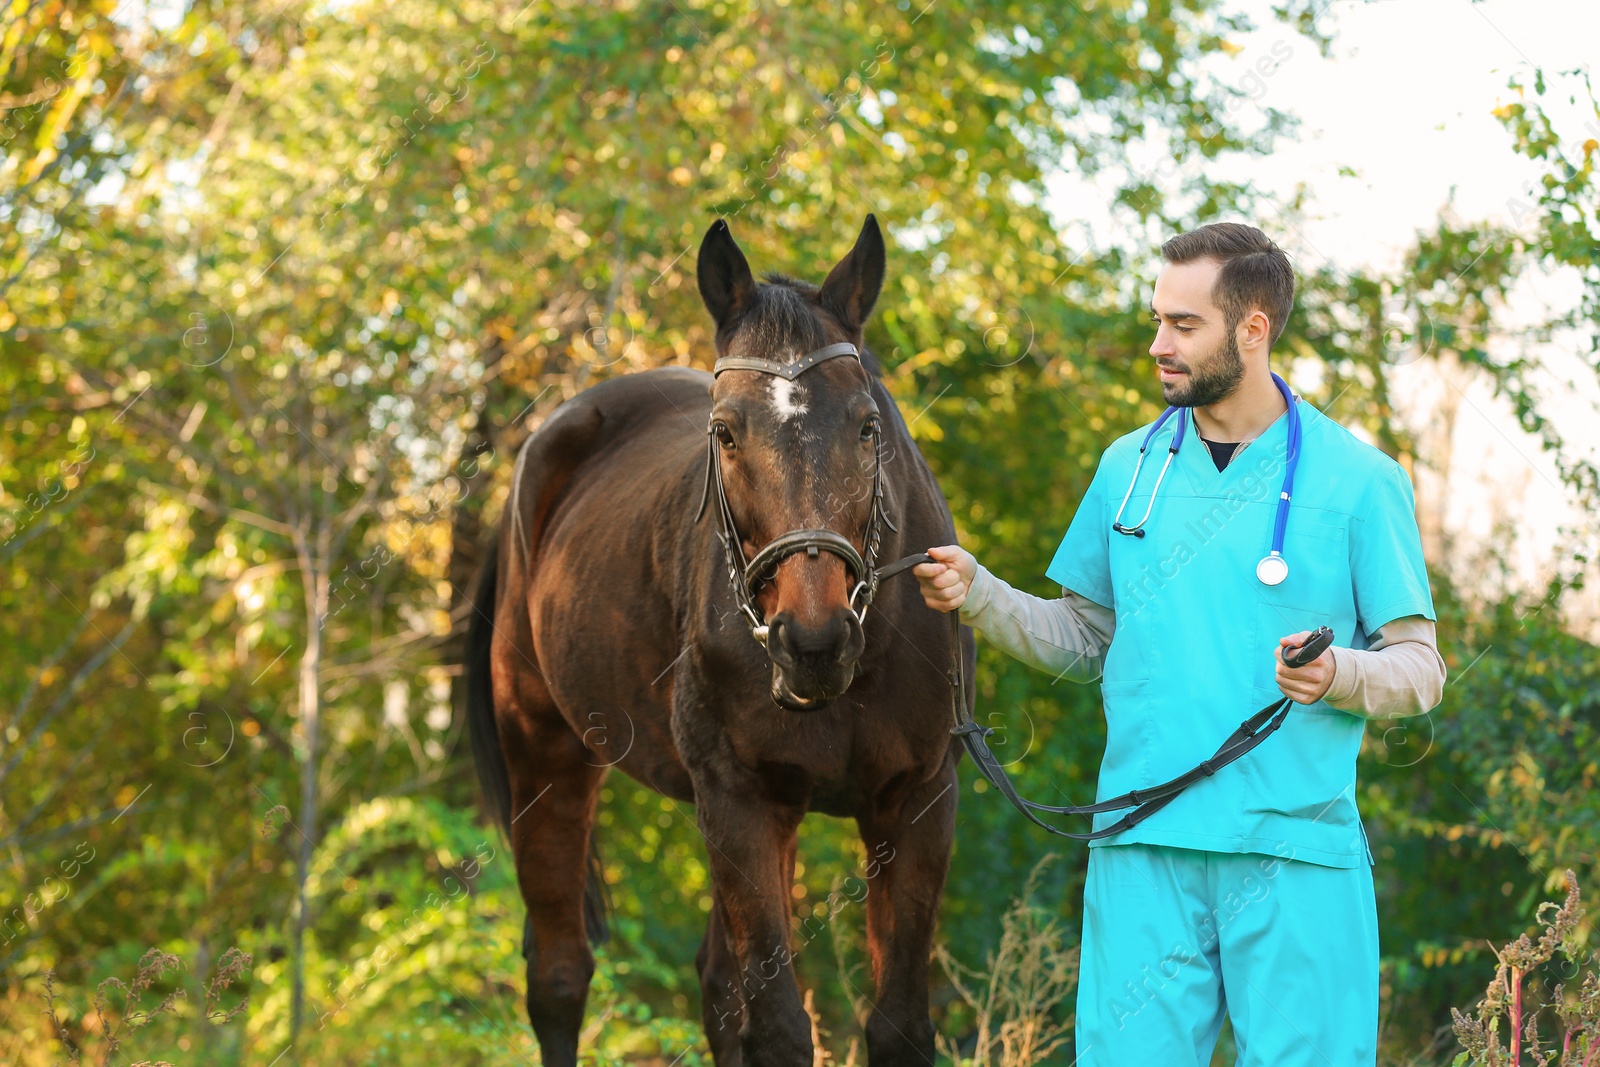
column 787, row 371
column 746, row 578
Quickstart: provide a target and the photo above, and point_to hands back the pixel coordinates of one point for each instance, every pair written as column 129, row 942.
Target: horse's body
column 615, row 640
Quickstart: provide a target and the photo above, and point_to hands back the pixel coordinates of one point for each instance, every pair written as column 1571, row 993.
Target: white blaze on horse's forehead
column 788, row 398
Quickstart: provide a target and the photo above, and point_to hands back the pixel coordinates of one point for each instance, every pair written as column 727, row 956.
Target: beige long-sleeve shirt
column 1400, row 672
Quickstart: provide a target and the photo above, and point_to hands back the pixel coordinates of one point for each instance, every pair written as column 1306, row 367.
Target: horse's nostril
column 826, row 640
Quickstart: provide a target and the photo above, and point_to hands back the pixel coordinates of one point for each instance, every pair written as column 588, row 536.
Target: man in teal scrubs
column 1251, row 894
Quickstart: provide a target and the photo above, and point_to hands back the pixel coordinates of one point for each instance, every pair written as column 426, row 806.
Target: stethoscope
column 1273, row 568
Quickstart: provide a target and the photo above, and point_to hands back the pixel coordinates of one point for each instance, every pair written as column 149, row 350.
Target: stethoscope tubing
column 1280, row 523
column 1137, row 529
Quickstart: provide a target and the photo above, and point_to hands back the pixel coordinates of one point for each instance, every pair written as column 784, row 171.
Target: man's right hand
column 945, row 584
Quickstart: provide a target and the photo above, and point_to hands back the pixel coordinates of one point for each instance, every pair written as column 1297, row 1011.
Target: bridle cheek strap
column 746, row 578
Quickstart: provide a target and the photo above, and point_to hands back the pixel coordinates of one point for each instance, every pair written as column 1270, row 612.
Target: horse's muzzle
column 813, row 665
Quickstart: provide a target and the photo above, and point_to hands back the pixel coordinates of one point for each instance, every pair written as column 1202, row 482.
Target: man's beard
column 1220, row 376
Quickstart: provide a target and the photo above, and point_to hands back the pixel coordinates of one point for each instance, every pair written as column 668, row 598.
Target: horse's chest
column 827, row 761
column 797, row 758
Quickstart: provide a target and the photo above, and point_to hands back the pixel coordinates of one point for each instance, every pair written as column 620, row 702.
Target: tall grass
column 1019, row 1000
column 1554, row 981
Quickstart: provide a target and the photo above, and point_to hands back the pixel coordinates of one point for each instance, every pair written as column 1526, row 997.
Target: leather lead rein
column 1145, row 802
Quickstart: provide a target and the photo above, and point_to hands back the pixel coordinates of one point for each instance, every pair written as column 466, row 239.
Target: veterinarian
column 1251, row 894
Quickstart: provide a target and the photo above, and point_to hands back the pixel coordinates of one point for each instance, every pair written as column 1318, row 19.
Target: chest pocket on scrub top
column 1316, row 592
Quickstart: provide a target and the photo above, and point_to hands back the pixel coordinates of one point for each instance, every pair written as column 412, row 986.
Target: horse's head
column 798, row 455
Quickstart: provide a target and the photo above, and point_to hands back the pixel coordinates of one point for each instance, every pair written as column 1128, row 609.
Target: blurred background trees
column 286, row 285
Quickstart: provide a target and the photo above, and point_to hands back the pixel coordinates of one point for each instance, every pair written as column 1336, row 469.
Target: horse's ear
column 852, row 286
column 725, row 282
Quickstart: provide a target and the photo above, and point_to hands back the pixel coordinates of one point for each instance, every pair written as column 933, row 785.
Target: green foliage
column 1466, row 797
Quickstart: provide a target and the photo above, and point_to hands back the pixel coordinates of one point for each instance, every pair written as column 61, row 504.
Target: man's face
column 1197, row 356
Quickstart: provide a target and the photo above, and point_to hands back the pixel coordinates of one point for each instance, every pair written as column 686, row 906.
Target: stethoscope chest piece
column 1272, row 569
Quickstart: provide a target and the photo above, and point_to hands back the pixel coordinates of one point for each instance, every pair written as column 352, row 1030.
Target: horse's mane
column 784, row 316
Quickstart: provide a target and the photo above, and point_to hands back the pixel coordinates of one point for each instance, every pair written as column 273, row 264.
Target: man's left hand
column 1304, row 685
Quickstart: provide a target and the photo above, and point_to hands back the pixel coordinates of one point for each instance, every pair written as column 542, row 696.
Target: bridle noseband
column 746, row 578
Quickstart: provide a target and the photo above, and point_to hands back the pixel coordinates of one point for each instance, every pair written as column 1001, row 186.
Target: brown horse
column 610, row 618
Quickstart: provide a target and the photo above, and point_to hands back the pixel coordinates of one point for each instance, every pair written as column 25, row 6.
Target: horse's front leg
column 747, row 842
column 908, row 838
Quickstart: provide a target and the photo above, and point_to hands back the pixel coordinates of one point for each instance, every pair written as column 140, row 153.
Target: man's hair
column 1255, row 272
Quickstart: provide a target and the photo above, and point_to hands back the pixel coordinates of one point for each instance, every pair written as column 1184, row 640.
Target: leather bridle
column 746, row 578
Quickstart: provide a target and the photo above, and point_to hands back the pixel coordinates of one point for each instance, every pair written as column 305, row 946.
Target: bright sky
column 1404, row 102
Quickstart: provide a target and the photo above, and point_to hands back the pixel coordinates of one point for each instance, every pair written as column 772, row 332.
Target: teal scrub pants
column 1173, row 938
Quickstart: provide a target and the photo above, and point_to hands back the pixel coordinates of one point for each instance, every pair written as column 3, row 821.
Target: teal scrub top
column 1193, row 652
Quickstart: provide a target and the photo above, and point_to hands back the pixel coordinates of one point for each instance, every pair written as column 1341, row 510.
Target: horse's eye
column 724, row 435
column 869, row 428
